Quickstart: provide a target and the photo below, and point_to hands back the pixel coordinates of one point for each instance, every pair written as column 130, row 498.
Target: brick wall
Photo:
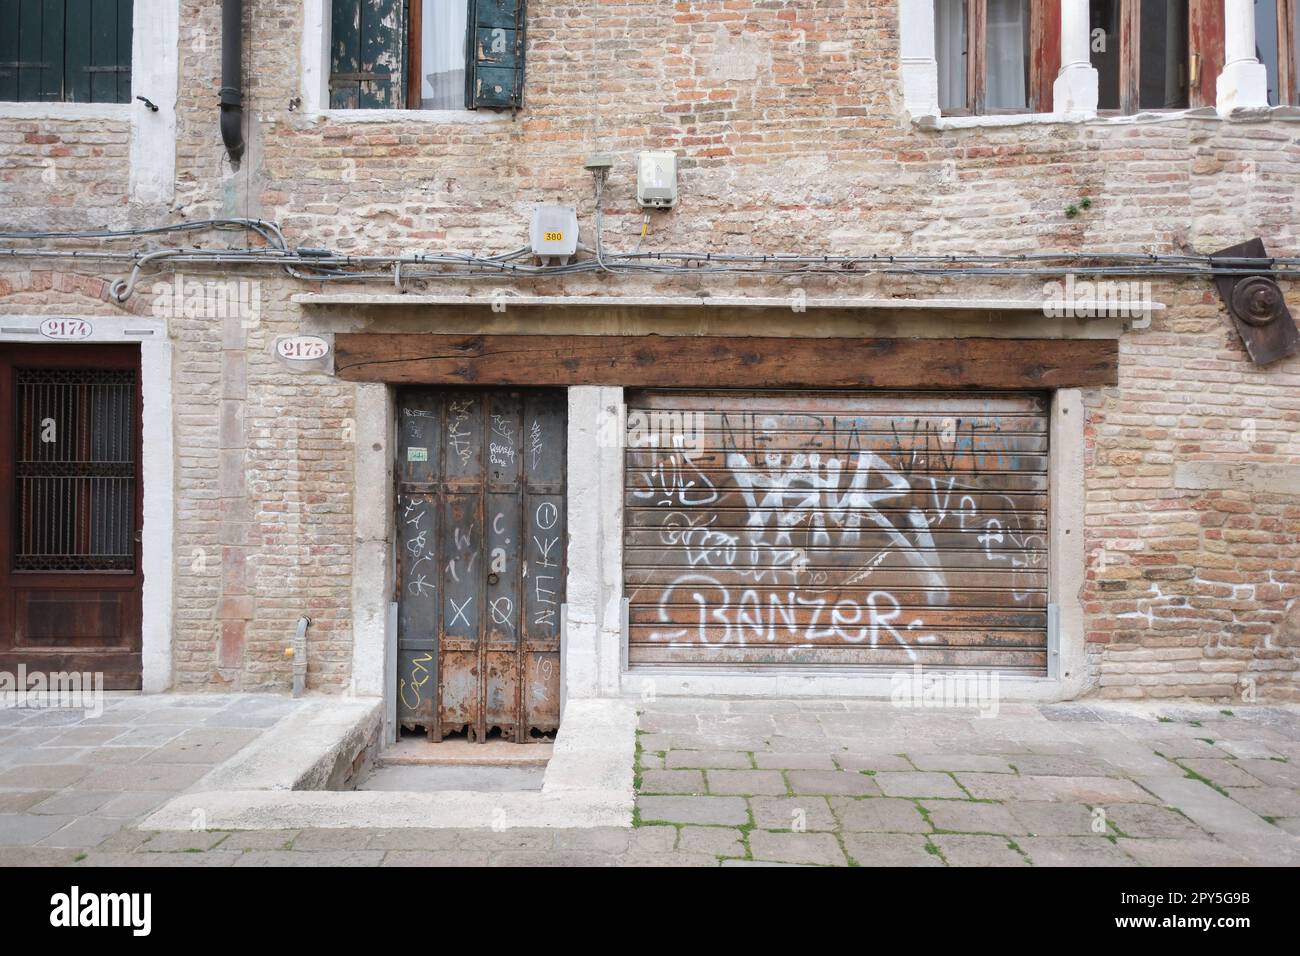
column 62, row 175
column 787, row 119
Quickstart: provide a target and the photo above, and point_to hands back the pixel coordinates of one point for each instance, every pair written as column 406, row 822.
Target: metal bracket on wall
column 1054, row 641
column 1256, row 304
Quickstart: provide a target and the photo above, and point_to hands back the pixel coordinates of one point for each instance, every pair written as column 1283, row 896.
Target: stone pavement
column 730, row 783
column 70, row 781
column 869, row 784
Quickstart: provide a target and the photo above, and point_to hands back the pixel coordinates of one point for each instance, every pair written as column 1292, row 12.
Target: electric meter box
column 656, row 179
column 553, row 232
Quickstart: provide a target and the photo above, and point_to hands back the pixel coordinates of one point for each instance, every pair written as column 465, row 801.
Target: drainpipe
column 232, row 68
column 299, row 654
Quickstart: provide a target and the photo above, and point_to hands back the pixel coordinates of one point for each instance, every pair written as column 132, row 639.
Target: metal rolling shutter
column 837, row 529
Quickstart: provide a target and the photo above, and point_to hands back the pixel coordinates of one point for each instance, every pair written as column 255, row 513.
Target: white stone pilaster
column 918, row 68
column 1075, row 89
column 1243, row 84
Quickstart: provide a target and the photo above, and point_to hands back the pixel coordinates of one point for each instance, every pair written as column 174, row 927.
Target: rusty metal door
column 481, row 561
column 837, row 529
column 70, row 517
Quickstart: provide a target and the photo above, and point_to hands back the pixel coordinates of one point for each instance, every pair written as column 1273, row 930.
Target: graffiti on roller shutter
column 778, row 529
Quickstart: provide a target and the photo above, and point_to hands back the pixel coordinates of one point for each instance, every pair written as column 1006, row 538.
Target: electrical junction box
column 656, row 179
column 553, row 233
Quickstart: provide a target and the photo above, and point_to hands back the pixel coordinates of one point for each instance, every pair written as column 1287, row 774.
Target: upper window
column 995, row 56
column 1277, row 33
column 1155, row 54
column 65, row 51
column 426, row 54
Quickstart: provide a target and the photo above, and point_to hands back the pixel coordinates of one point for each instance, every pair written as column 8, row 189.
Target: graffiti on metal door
column 837, row 530
column 481, row 561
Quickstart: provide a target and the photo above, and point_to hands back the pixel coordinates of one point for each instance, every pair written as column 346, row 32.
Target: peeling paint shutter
column 368, row 54
column 76, row 51
column 1205, row 27
column 495, row 65
column 837, row 530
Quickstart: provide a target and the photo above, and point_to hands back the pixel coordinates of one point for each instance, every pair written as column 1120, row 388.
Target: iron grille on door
column 75, row 469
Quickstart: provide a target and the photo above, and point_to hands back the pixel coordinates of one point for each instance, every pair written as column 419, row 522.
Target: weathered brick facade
column 788, row 121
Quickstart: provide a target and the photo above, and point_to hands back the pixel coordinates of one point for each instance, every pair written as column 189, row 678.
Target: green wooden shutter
column 31, row 50
column 368, row 54
column 494, row 71
column 76, row 51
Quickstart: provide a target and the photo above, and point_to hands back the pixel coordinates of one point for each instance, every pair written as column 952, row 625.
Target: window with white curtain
column 442, row 55
column 982, row 48
column 950, row 52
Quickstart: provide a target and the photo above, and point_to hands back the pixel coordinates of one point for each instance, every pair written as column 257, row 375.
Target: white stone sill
column 1262, row 114
column 443, row 117
column 864, row 683
column 68, row 111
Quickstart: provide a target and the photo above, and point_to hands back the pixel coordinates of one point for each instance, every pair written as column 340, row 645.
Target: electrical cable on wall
column 322, row 265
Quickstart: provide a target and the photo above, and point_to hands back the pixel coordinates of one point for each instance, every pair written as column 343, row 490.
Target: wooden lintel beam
column 726, row 362
column 655, row 361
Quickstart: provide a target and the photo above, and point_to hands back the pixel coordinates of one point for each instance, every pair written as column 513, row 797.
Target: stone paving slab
column 723, row 811
column 880, row 815
column 714, row 841
column 794, row 761
column 707, row 759
column 1182, row 852
column 890, row 849
column 792, row 813
column 833, row 782
column 1054, row 819
column 672, row 781
column 966, row 816
column 1094, row 790
column 872, row 761
column 918, row 783
column 29, row 829
column 978, row 850
column 1152, row 822
column 746, row 782
column 1267, row 801
column 1209, row 809
column 1074, row 851
column 819, row 849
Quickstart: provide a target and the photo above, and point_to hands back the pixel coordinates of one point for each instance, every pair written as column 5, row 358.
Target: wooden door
column 481, row 546
column 70, row 577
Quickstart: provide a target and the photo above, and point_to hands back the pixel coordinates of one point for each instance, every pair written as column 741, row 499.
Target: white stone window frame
column 1242, row 86
column 155, row 54
column 157, row 469
column 316, row 79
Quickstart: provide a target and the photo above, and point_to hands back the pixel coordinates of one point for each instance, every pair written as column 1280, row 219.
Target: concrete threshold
column 461, row 753
column 278, row 783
